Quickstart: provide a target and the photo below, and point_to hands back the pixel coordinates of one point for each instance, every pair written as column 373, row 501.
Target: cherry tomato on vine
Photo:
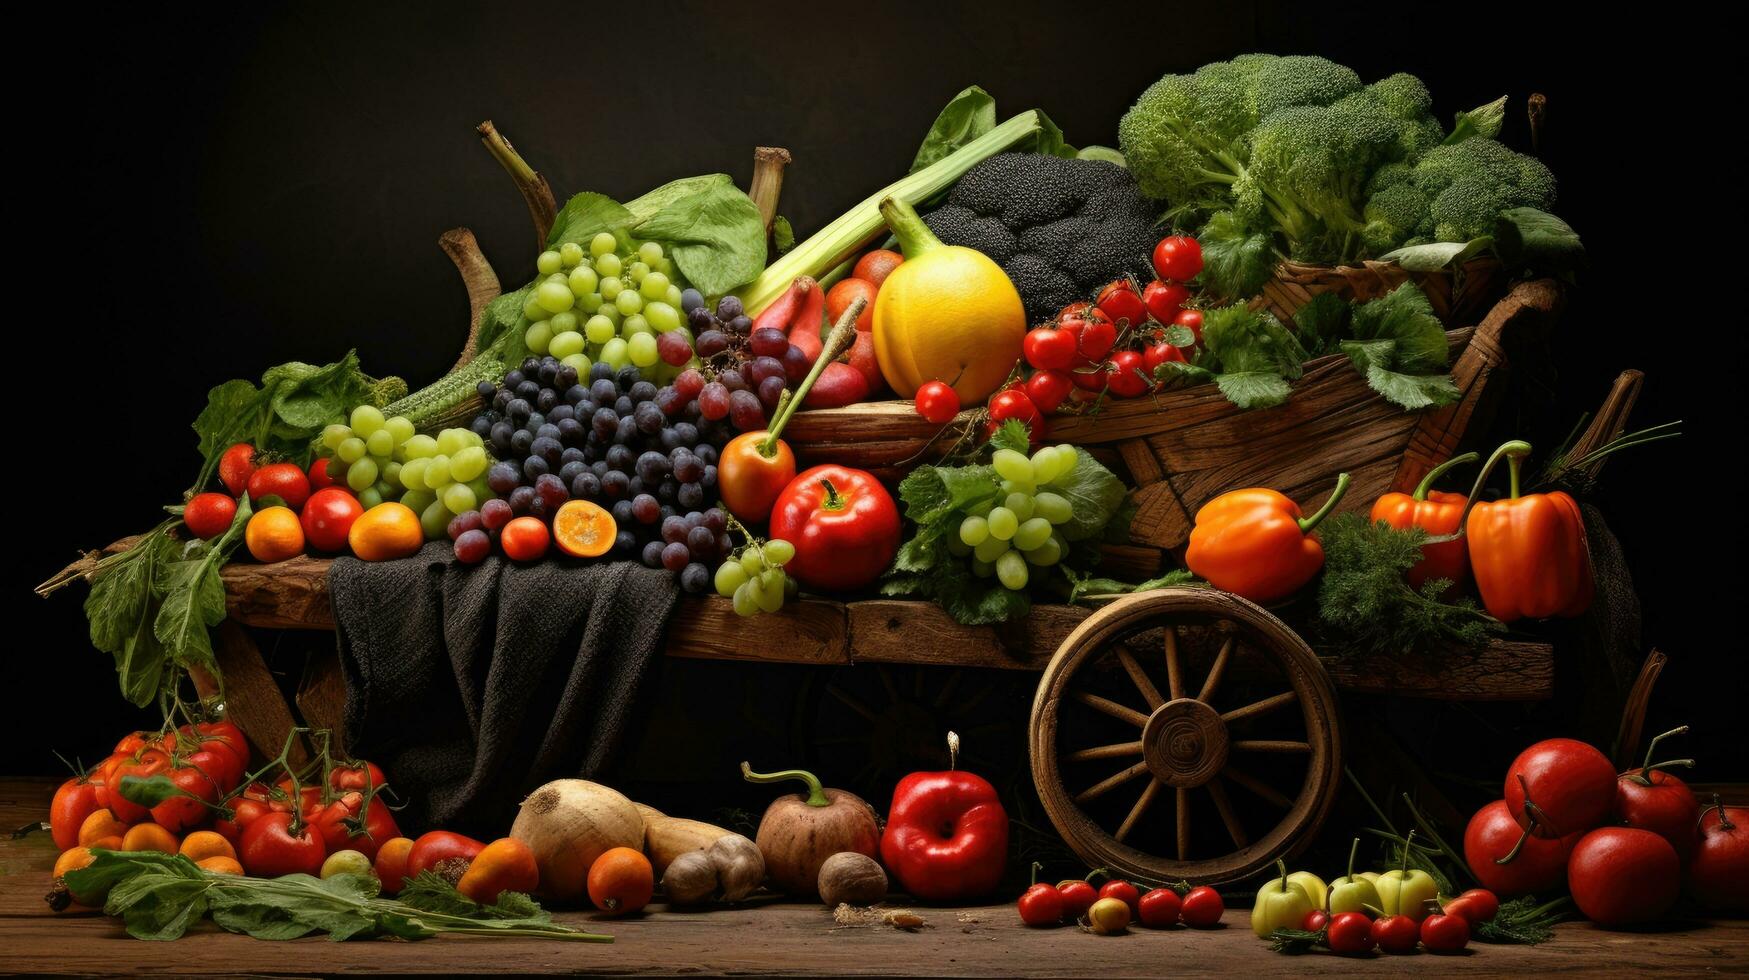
column 320, row 476
column 1158, row 908
column 269, row 847
column 1128, row 379
column 1041, row 905
column 1315, row 920
column 937, row 402
column 1123, row 891
column 1159, row 354
column 1013, row 404
column 1442, row 933
column 1120, row 301
column 1164, row 300
column 1047, row 389
column 208, row 515
column 1095, row 334
column 1202, row 908
column 1349, row 933
column 1078, row 897
column 188, row 810
column 357, row 777
column 1190, row 320
column 143, row 764
column 1051, row 347
column 1396, row 934
column 236, row 466
column 1178, row 258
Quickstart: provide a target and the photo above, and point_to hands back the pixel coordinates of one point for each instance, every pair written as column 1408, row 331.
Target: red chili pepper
column 947, row 834
column 843, row 523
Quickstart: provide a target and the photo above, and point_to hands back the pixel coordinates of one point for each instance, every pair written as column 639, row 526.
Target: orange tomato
column 72, row 859
column 110, row 843
column 875, row 266
column 219, row 864
column 203, row 844
column 274, row 534
column 621, row 881
column 843, row 293
column 149, row 837
column 525, row 539
column 386, row 531
column 506, row 865
column 99, row 824
column 391, row 863
column 583, row 530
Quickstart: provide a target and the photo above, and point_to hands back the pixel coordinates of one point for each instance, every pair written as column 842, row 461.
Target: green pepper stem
column 1353, row 850
column 816, row 792
column 1037, row 866
column 1514, row 450
column 843, row 332
column 907, row 226
column 1281, row 865
column 1426, row 484
column 1308, row 523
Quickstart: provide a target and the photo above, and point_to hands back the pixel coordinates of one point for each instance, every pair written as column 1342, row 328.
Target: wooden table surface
column 781, row 940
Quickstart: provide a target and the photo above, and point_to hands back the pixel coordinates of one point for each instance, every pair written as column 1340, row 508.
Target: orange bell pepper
column 1254, row 543
column 1439, row 514
column 1529, row 553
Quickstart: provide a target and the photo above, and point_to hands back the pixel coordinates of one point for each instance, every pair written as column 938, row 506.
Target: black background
column 199, row 195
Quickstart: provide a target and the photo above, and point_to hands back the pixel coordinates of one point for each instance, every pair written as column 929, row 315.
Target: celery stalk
column 862, row 225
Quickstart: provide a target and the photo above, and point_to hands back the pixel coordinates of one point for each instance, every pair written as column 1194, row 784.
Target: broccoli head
column 1059, row 228
column 1469, row 183
column 1392, row 216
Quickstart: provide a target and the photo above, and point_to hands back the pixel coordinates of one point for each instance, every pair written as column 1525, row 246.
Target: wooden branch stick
column 767, row 183
column 478, row 278
column 542, row 208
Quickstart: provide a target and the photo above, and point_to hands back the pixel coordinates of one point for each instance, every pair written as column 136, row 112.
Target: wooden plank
column 291, row 594
column 321, row 696
column 252, row 696
column 910, row 632
column 812, row 631
column 1504, row 670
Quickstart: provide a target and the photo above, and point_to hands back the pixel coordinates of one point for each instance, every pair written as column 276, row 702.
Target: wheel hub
column 1185, row 743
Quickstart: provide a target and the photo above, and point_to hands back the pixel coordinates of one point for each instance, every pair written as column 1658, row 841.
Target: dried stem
column 767, row 183
column 542, row 208
column 479, row 279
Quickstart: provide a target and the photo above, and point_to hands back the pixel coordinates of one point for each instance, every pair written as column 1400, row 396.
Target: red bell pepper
column 1439, row 514
column 947, row 834
column 843, row 523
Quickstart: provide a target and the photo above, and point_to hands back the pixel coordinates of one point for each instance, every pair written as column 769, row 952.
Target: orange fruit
column 386, row 531
column 875, row 266
column 274, row 534
column 219, row 864
column 525, row 538
column 621, row 881
column 583, row 530
column 203, row 844
column 110, row 843
column 98, row 825
column 843, row 292
column 72, row 859
column 149, row 837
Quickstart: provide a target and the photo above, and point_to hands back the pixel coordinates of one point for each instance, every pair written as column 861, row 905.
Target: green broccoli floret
column 1299, row 80
column 1469, row 183
column 1313, row 162
column 1392, row 216
column 1060, row 228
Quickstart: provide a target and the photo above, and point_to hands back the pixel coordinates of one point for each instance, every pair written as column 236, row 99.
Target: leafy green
column 1247, row 353
column 1087, row 587
column 711, row 229
column 1322, row 323
column 1094, row 493
column 783, row 237
column 586, row 215
column 122, row 611
column 1536, row 241
column 1433, row 256
column 1400, row 347
column 293, row 403
column 194, row 596
column 1236, row 261
column 160, row 896
column 1365, row 603
column 503, row 317
column 1484, row 120
column 967, row 116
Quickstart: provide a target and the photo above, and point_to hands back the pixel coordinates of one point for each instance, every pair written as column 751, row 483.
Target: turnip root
column 568, row 823
column 798, row 833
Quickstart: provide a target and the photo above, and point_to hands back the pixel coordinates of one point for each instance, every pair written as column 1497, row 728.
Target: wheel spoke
column 1110, row 783
column 1236, row 830
column 1114, row 751
column 1272, row 745
column 1112, row 708
column 887, row 682
column 947, row 688
column 850, row 702
column 1216, row 669
column 1259, row 707
column 1183, row 824
column 1254, row 785
column 1174, row 675
column 1150, row 693
column 1142, row 803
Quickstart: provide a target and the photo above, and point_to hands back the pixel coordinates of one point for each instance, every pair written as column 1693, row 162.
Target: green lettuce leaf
column 712, row 230
column 967, row 116
column 1095, row 494
column 584, row 216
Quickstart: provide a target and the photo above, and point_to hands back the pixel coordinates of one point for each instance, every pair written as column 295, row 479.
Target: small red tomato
column 1349, row 933
column 187, row 809
column 1041, row 905
column 1127, row 378
column 1159, row 354
column 1050, row 347
column 269, row 847
column 73, row 802
column 1122, row 303
column 440, row 845
column 1202, row 908
column 209, row 515
column 1158, row 908
column 327, row 518
column 1123, row 891
column 1097, row 336
column 1396, row 934
column 1442, row 933
column 525, row 539
column 937, row 402
column 1478, row 905
column 1047, row 389
column 1094, row 380
column 320, row 476
column 1164, row 300
column 236, row 466
column 1315, row 920
column 364, row 776
column 1190, row 320
column 283, row 480
column 1178, row 258
column 1718, row 874
column 1622, row 876
column 1013, row 404
column 1078, row 897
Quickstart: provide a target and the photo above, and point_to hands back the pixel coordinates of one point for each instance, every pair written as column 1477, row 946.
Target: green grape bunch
column 608, row 302
column 384, row 459
column 1016, row 531
column 754, row 577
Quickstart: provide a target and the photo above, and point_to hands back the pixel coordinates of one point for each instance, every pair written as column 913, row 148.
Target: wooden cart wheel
column 1114, row 750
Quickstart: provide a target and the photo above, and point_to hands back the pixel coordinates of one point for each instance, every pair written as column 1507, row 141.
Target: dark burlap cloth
column 472, row 685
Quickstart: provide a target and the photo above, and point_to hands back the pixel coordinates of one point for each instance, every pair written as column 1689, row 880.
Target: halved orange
column 583, row 530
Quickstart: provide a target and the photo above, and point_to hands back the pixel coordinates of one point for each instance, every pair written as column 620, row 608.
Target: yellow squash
column 947, row 313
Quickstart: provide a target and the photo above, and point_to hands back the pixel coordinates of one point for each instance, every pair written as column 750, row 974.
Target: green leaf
column 307, row 397
column 1535, row 241
column 1322, row 323
column 1094, row 493
column 149, row 791
column 1236, row 261
column 430, row 893
column 967, row 116
column 972, row 601
column 121, row 610
column 584, row 216
column 235, row 412
column 1433, row 256
column 501, row 315
column 1405, row 316
column 1254, row 389
column 1083, row 587
column 783, row 237
column 159, row 906
column 1105, row 153
column 1012, row 434
column 1413, row 392
column 1484, row 121
column 1049, row 140
column 714, row 233
column 194, row 597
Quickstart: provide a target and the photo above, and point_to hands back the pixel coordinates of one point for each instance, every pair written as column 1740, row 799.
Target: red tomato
column 1158, row 908
column 1093, row 380
column 1178, row 258
column 847, row 291
column 269, row 847
column 1094, row 331
column 439, row 845
column 73, row 802
column 525, row 539
column 309, row 797
column 320, row 477
column 1164, row 300
column 217, row 764
column 937, row 402
column 1123, row 891
column 1349, row 933
column 243, row 813
column 1442, row 933
column 1128, row 379
column 1478, row 905
column 144, row 764
column 1621, row 876
column 236, row 465
column 1050, row 347
column 1012, row 403
column 1718, row 874
column 1202, row 908
column 1041, row 905
column 1047, row 389
column 1657, row 801
column 1190, row 320
column 362, row 777
column 1537, row 867
column 843, row 523
column 189, row 810
column 132, row 742
column 327, row 518
column 209, row 515
column 1560, row 786
column 1396, row 934
column 1315, row 920
column 341, row 826
column 283, row 480
column 226, row 735
column 1120, row 301
column 1078, row 897
column 1159, row 354
column 875, row 266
